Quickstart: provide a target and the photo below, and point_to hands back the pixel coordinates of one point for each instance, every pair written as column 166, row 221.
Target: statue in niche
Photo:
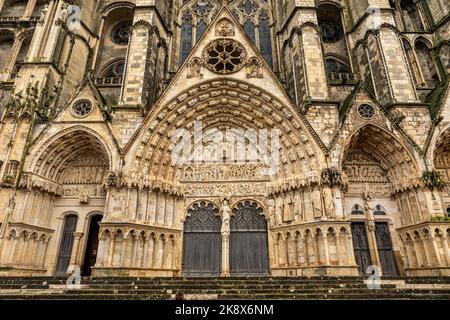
column 271, row 206
column 330, row 211
column 226, row 216
column 279, row 211
column 287, row 208
column 367, row 198
column 195, row 68
column 369, row 210
column 254, row 69
column 317, row 204
column 299, row 215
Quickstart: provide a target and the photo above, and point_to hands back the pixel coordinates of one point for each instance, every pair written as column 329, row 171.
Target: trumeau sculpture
column 209, row 126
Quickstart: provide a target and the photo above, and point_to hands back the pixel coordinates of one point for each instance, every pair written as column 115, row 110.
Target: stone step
column 344, row 296
column 192, row 286
column 212, row 291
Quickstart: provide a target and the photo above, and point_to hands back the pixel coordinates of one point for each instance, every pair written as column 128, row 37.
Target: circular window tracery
column 121, row 33
column 366, row 111
column 82, row 108
column 224, row 56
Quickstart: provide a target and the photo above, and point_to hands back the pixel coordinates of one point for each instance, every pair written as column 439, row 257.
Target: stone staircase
column 266, row 288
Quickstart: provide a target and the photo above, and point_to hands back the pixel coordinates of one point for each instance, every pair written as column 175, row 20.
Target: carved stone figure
column 226, row 216
column 271, row 208
column 279, row 211
column 254, row 69
column 195, row 68
column 225, row 28
column 84, row 197
column 287, row 208
column 112, row 179
column 330, row 210
column 317, row 204
column 367, row 206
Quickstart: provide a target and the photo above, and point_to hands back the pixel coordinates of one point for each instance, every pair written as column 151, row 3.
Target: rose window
column 366, row 111
column 82, row 108
column 224, row 56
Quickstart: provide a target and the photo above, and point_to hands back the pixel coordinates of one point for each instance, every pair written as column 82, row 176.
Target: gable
column 196, row 68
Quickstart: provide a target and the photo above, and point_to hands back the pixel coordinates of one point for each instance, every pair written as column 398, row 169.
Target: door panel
column 361, row 247
column 92, row 245
column 65, row 248
column 248, row 241
column 202, row 242
column 385, row 250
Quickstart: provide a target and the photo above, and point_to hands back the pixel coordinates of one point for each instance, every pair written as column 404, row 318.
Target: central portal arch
column 249, row 255
column 202, row 242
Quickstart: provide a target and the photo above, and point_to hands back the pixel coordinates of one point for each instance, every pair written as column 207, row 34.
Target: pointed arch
column 186, row 36
column 426, row 62
column 57, row 160
column 392, row 163
column 217, row 109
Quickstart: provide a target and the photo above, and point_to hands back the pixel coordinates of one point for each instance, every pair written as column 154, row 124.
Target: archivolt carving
column 376, row 160
column 74, row 157
column 221, row 104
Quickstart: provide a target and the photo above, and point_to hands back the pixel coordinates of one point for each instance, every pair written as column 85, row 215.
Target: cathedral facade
column 224, row 137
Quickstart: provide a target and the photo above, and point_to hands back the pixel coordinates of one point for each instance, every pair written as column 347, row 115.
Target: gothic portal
column 216, row 138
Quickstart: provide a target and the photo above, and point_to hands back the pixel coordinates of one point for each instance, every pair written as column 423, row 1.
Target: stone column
column 44, row 247
column 338, row 249
column 111, row 251
column 13, row 248
column 435, row 250
column 136, row 244
column 350, row 252
column 372, row 239
column 326, row 248
column 75, row 248
column 276, row 254
column 23, row 251
column 446, row 249
column 412, row 256
column 34, row 252
column 225, row 255
column 305, row 249
column 101, row 252
column 419, row 257
column 145, row 253
column 433, row 202
column 29, row 9
column 123, row 251
column 150, row 252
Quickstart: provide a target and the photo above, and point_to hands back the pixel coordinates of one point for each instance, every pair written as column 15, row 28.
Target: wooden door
column 65, row 247
column 385, row 251
column 202, row 241
column 90, row 256
column 361, row 247
column 248, row 241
